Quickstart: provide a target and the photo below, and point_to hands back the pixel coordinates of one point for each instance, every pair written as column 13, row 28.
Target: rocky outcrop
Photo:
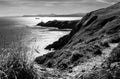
column 59, row 44
column 93, row 49
column 59, row 24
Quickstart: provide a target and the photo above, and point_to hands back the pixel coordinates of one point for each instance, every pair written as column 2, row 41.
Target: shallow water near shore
column 36, row 38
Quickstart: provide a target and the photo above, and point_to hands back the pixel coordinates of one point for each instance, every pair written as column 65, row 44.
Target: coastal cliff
column 59, row 24
column 91, row 50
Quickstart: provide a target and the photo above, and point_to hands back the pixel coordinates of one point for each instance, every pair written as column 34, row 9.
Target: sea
column 25, row 30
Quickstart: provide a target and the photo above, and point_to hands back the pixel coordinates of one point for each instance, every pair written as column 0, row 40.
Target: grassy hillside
column 92, row 50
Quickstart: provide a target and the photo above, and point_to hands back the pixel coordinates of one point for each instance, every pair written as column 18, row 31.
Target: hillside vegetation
column 90, row 51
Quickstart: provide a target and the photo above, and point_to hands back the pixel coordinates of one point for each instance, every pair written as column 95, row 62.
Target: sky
column 33, row 7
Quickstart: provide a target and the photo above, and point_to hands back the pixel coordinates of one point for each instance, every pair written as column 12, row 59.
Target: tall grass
column 13, row 63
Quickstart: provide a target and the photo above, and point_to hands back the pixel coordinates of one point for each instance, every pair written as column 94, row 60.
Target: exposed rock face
column 60, row 43
column 93, row 50
column 59, row 24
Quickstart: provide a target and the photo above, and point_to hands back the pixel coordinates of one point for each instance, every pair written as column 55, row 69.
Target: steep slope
column 93, row 49
column 60, row 25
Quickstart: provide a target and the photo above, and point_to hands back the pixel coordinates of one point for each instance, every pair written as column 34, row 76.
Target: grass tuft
column 13, row 63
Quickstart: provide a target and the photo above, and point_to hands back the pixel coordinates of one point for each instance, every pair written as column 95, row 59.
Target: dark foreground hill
column 92, row 50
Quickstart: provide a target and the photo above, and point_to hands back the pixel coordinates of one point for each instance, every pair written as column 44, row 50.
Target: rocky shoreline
column 90, row 51
column 59, row 24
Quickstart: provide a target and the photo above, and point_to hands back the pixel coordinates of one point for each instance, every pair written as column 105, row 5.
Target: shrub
column 76, row 57
column 98, row 52
column 115, row 39
column 115, row 55
column 13, row 63
column 105, row 44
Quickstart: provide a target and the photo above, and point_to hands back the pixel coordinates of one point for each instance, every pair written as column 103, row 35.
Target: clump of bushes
column 99, row 74
column 76, row 57
column 115, row 55
column 13, row 64
column 115, row 39
column 98, row 52
column 105, row 44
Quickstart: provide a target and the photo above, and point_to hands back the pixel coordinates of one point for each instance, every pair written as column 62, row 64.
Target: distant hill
column 56, row 15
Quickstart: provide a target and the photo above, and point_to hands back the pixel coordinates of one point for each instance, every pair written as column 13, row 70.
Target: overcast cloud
column 21, row 7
